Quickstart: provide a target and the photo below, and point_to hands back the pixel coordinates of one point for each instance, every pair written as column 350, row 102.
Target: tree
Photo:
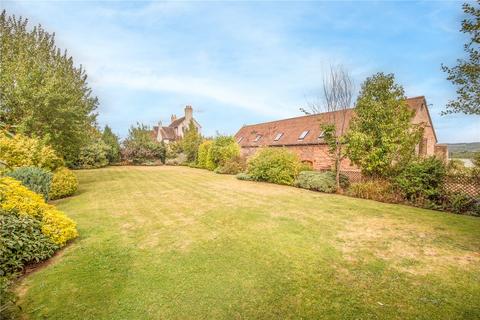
column 112, row 141
column 141, row 147
column 381, row 134
column 190, row 142
column 338, row 90
column 465, row 76
column 42, row 92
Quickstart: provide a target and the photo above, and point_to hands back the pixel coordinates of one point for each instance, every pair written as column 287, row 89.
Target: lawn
column 181, row 243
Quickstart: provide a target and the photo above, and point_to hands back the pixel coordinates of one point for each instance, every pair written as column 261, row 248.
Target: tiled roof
column 167, row 132
column 176, row 122
column 292, row 128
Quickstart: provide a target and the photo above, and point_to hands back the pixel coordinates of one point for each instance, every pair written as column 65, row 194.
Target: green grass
column 181, row 243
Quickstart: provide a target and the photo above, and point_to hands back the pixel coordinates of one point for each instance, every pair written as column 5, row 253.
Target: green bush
column 232, row 166
column 93, row 155
column 22, row 242
column 203, row 151
column 64, row 184
column 140, row 147
column 275, row 165
column 244, row 176
column 379, row 190
column 35, row 179
column 320, row 181
column 461, row 203
column 421, row 179
column 21, row 151
column 222, row 149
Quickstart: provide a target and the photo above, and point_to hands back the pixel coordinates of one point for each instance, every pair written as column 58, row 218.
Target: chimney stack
column 188, row 114
column 173, row 118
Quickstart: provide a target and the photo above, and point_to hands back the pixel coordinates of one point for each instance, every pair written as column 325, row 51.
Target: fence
column 465, row 184
column 457, row 183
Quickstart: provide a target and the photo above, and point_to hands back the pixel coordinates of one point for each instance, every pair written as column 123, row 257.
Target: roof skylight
column 278, row 136
column 259, row 136
column 303, row 135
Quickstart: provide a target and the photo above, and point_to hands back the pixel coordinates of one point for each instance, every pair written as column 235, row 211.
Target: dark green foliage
column 43, row 93
column 275, row 165
column 190, row 143
column 320, row 181
column 465, row 76
column 93, row 155
column 35, row 179
column 140, row 147
column 461, row 203
column 112, row 141
column 381, row 134
column 22, row 242
column 421, row 179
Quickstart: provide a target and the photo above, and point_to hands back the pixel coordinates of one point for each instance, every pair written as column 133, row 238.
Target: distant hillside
column 463, row 150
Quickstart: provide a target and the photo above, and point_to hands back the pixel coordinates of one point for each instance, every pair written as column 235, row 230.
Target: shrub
column 93, row 155
column 379, row 190
column 320, row 181
column 244, row 176
column 35, row 179
column 64, row 184
column 275, row 165
column 305, row 166
column 232, row 166
column 22, row 242
column 461, row 203
column 140, row 147
column 421, row 179
column 203, row 150
column 223, row 148
column 190, row 142
column 112, row 141
column 180, row 160
column 21, row 151
column 16, row 198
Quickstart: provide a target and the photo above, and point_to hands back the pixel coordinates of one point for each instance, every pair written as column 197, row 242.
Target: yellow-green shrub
column 14, row 197
column 64, row 184
column 21, row 151
column 202, row 157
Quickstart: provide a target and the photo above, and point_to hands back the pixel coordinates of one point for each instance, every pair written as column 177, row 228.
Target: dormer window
column 303, row 135
column 278, row 136
column 259, row 136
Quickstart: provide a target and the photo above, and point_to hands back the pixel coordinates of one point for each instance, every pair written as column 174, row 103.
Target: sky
column 241, row 63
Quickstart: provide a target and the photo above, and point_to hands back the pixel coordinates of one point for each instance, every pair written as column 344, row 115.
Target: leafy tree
column 465, row 76
column 190, row 143
column 112, row 141
column 42, row 92
column 381, row 133
column 141, row 147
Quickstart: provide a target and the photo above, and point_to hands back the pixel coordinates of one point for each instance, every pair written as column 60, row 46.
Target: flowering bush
column 21, row 151
column 64, row 184
column 14, row 197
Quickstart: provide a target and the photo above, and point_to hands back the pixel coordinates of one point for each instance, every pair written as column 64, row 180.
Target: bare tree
column 338, row 89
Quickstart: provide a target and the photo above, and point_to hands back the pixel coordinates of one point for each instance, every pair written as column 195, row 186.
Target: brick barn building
column 304, row 136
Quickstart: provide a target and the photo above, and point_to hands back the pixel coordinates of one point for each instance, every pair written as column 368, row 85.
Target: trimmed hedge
column 15, row 198
column 275, row 165
column 64, row 184
column 320, row 181
column 35, row 179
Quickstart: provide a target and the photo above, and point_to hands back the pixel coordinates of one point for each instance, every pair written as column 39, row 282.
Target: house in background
column 176, row 129
column 304, row 136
